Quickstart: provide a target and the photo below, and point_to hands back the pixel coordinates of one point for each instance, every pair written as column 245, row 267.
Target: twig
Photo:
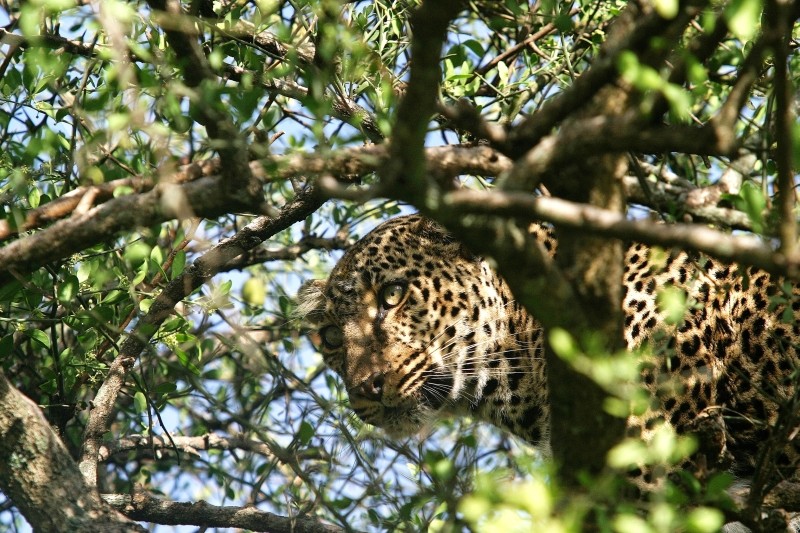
column 603, row 70
column 544, row 31
column 201, row 442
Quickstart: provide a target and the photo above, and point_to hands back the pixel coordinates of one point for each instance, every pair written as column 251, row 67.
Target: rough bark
column 39, row 476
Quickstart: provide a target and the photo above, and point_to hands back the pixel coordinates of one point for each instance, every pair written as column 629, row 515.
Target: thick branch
column 100, row 416
column 442, row 161
column 602, row 134
column 67, row 204
column 39, row 476
column 198, row 185
column 204, row 197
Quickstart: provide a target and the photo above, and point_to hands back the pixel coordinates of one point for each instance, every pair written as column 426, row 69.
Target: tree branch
column 199, row 186
column 142, row 506
column 204, row 197
column 67, row 204
column 306, row 243
column 779, row 32
column 600, row 134
column 191, row 445
column 405, row 170
column 742, row 249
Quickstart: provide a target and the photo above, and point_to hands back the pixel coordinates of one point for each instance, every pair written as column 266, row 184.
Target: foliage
column 105, row 101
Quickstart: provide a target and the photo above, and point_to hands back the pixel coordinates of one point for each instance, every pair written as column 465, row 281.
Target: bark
column 39, row 476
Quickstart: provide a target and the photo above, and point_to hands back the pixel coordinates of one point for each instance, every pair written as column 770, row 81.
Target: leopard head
column 419, row 328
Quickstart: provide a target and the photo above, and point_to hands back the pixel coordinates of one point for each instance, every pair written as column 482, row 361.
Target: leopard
column 420, row 329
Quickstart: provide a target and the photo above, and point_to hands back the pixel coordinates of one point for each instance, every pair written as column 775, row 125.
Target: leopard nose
column 371, row 388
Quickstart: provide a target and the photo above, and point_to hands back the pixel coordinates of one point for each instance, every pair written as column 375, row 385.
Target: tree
column 171, row 171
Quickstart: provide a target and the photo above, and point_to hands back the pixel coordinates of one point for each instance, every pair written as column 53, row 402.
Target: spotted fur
column 418, row 328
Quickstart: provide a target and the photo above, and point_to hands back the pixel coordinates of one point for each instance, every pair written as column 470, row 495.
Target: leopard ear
column 437, row 233
column 311, row 301
column 433, row 231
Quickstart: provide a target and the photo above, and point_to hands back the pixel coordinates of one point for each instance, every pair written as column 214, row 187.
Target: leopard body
column 419, row 328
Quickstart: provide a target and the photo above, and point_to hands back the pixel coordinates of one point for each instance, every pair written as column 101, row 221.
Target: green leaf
column 166, row 388
column 667, row 8
column 225, row 287
column 342, row 503
column 254, row 292
column 502, row 72
column 704, row 520
column 744, row 18
column 305, row 433
column 141, row 273
column 9, row 291
column 85, row 270
column 136, row 252
column 39, row 336
column 6, row 345
column 157, row 255
column 672, row 303
column 475, row 47
column 563, row 344
column 630, row 523
column 115, row 296
column 183, row 357
column 140, row 402
column 118, row 121
column 796, row 144
column 33, row 197
column 144, row 305
column 753, row 203
column 68, row 289
column 178, row 264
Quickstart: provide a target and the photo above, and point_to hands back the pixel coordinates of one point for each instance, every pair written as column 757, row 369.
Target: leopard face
column 418, row 328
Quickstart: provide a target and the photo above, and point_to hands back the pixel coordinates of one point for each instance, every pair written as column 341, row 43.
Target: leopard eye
column 392, row 294
column 331, row 336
